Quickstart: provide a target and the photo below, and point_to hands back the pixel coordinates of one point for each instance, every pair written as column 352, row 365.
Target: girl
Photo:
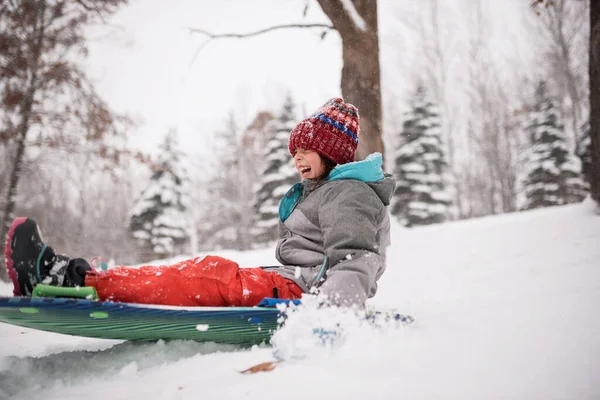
column 334, row 228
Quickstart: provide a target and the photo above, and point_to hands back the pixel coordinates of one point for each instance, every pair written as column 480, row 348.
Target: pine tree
column 159, row 219
column 584, row 152
column 421, row 197
column 277, row 177
column 552, row 173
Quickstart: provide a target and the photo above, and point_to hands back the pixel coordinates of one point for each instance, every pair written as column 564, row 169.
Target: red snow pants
column 208, row 281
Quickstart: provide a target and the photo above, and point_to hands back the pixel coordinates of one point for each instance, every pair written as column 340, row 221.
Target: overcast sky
column 146, row 62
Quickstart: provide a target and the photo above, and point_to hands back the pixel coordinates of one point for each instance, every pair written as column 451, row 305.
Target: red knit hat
column 331, row 131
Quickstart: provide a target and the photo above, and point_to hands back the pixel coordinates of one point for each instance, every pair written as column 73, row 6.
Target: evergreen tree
column 584, row 152
column 277, row 177
column 552, row 173
column 159, row 219
column 421, row 197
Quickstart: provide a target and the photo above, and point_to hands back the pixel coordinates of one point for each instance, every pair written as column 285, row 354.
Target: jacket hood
column 369, row 171
column 384, row 188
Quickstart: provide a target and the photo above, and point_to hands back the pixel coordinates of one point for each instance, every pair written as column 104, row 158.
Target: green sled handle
column 85, row 292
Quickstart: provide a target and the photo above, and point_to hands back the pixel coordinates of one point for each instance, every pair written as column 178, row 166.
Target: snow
column 358, row 21
column 506, row 308
column 413, row 167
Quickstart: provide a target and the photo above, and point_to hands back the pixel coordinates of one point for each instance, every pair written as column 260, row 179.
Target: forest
column 472, row 121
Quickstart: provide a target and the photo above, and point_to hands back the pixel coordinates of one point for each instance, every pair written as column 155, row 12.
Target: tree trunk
column 594, row 71
column 361, row 75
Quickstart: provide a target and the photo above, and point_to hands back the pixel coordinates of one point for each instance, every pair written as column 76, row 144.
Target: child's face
column 309, row 164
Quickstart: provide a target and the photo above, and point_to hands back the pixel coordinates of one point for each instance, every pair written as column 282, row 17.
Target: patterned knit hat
column 332, row 131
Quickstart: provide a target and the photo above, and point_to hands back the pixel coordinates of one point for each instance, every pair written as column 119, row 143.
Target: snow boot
column 30, row 261
column 75, row 272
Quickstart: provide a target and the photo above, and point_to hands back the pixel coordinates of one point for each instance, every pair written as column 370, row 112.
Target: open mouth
column 304, row 171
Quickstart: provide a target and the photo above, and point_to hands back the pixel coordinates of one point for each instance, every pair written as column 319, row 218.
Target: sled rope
column 37, row 263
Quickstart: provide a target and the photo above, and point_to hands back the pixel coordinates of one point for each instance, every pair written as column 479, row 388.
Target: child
column 334, row 228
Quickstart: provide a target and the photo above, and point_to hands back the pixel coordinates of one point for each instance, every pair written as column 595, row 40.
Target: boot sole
column 8, row 255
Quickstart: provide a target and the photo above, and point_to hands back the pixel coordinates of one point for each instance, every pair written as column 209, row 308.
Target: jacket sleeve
column 348, row 219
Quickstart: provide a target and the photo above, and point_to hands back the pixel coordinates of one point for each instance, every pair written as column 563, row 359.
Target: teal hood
column 368, row 170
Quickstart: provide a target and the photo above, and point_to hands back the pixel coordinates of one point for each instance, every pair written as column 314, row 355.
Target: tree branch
column 90, row 9
column 256, row 33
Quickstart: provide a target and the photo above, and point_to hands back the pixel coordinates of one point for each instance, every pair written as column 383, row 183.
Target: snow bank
column 505, row 307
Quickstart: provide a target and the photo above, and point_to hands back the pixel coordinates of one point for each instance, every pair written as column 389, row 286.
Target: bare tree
column 42, row 91
column 491, row 185
column 356, row 22
column 437, row 53
column 81, row 203
column 594, row 71
column 565, row 34
column 225, row 221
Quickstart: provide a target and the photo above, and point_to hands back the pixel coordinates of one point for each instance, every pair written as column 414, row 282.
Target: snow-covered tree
column 159, row 219
column 420, row 167
column 277, row 177
column 552, row 173
column 584, row 152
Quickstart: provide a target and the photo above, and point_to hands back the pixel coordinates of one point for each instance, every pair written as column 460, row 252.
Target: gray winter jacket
column 333, row 234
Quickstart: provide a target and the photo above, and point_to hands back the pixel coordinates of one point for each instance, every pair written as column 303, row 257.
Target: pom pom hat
column 332, row 131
